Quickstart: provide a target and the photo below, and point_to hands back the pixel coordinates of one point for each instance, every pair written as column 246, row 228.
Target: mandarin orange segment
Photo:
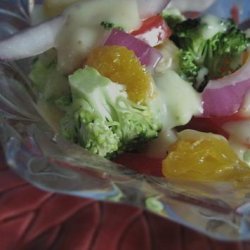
column 122, row 66
column 204, row 159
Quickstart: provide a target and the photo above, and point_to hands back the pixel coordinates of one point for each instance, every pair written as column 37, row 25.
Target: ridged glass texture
column 45, row 160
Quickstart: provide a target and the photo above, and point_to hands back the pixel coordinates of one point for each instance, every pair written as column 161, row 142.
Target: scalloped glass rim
column 48, row 162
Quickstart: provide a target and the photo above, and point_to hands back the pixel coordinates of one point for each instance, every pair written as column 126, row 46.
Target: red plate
column 34, row 219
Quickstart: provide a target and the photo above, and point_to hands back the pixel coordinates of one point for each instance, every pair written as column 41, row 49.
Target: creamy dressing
column 170, row 57
column 179, row 102
column 83, row 31
column 201, row 75
column 158, row 148
column 180, row 98
column 214, row 26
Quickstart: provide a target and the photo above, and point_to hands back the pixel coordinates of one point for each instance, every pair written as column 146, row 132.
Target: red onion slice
column 32, row 41
column 149, row 8
column 226, row 100
column 147, row 55
column 224, row 96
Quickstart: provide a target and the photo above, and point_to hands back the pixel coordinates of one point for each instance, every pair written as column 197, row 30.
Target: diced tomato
column 153, row 31
column 141, row 163
column 205, row 124
column 212, row 124
column 235, row 13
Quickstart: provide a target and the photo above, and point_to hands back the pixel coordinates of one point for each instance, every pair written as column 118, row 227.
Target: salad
column 141, row 80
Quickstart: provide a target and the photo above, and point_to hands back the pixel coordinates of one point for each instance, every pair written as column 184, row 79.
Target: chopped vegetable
column 210, row 48
column 32, row 41
column 224, row 96
column 203, row 157
column 148, row 56
column 102, row 119
column 153, row 31
column 224, row 100
column 122, row 66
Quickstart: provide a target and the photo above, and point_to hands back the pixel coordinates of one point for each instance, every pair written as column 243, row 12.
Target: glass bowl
column 50, row 163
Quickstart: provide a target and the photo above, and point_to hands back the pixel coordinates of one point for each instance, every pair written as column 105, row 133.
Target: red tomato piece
column 212, row 124
column 140, row 163
column 153, row 31
column 235, row 13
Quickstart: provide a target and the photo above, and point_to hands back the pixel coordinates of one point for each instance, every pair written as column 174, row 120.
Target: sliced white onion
column 224, row 96
column 32, row 41
column 149, row 8
column 147, row 55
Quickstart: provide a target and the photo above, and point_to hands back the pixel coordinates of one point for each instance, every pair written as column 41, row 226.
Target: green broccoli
column 102, row 119
column 210, row 48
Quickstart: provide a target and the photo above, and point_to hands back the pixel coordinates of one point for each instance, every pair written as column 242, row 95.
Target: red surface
column 32, row 219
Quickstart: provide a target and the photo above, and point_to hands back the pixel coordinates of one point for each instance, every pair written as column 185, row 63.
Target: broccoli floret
column 102, row 119
column 210, row 48
column 63, row 102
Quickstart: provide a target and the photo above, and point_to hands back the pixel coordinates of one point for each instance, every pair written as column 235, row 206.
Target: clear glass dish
column 48, row 162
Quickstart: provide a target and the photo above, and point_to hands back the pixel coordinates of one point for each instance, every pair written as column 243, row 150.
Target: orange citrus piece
column 121, row 65
column 204, row 158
